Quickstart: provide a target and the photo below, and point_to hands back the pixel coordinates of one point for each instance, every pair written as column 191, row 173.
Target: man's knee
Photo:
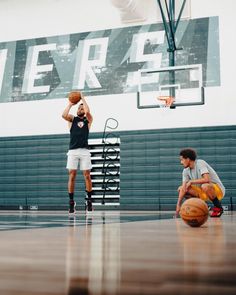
column 208, row 190
column 87, row 174
column 72, row 174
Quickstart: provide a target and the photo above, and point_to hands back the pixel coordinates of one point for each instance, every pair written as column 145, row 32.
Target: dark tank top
column 79, row 132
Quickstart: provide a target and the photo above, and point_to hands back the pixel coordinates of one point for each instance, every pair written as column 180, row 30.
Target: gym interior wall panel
column 150, row 166
column 32, row 168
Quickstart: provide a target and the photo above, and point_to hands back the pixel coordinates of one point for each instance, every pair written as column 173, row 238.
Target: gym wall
column 33, row 168
column 37, row 117
column 28, row 20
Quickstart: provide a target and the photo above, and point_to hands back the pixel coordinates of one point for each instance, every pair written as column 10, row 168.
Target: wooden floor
column 115, row 252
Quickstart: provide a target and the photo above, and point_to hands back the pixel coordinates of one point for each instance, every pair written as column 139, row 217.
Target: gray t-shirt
column 201, row 167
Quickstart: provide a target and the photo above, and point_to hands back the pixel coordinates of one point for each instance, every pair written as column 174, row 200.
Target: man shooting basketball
column 200, row 180
column 78, row 150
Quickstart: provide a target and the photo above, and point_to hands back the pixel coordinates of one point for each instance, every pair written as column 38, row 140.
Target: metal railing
column 110, row 155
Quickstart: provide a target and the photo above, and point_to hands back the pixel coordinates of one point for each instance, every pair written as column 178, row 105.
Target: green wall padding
column 32, row 168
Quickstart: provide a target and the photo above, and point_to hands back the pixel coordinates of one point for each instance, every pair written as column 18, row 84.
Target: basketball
column 74, row 96
column 194, row 212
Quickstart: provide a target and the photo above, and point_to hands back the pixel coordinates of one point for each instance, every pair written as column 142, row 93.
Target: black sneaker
column 89, row 205
column 72, row 205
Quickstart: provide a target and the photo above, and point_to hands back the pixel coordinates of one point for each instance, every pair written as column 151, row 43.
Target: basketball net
column 165, row 101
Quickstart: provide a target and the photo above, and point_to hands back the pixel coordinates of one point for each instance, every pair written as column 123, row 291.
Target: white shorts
column 82, row 156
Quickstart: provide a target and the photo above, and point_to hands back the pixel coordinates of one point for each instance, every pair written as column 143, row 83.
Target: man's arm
column 186, row 185
column 182, row 190
column 65, row 115
column 204, row 179
column 204, row 172
column 87, row 111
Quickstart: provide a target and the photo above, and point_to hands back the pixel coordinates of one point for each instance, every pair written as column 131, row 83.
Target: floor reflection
column 196, row 244
column 115, row 253
column 203, row 251
column 93, row 256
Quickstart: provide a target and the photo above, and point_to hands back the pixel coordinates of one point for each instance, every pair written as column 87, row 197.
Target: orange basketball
column 74, row 96
column 194, row 212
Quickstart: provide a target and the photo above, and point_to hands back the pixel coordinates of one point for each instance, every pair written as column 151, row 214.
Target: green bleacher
column 32, row 168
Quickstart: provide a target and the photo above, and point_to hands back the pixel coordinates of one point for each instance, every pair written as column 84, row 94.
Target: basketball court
column 158, row 77
column 131, row 252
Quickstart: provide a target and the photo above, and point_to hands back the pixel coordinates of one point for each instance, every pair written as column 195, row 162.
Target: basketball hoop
column 166, row 101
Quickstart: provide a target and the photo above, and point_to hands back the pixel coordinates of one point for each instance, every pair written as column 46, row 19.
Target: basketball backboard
column 183, row 83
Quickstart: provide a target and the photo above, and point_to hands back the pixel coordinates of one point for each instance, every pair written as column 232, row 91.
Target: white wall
column 24, row 19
